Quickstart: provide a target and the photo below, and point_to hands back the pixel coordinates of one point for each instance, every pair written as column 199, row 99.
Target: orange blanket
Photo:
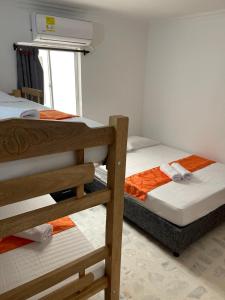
column 52, row 114
column 11, row 242
column 140, row 184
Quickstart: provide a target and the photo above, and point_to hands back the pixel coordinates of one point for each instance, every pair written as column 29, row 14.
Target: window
column 61, row 80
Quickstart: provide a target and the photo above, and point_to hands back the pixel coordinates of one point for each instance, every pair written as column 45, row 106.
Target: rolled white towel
column 37, row 234
column 171, row 172
column 184, row 172
column 15, row 112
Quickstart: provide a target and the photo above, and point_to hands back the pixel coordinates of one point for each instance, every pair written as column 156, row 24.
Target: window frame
column 77, row 76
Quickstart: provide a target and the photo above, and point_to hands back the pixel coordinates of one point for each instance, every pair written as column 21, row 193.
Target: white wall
column 113, row 76
column 184, row 102
column 14, row 26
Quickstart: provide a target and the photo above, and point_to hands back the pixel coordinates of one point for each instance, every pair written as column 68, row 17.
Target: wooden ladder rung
column 19, row 189
column 94, row 288
column 52, row 212
column 71, row 288
column 50, row 279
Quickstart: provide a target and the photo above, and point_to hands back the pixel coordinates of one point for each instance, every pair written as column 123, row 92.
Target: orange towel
column 12, row 242
column 52, row 114
column 140, row 184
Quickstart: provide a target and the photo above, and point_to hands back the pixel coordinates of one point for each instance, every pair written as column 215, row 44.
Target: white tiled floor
column 150, row 272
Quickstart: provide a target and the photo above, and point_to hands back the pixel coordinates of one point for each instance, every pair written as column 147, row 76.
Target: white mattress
column 180, row 203
column 48, row 162
column 31, row 261
column 9, row 101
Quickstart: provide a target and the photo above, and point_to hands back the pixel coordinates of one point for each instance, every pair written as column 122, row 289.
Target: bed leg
column 176, row 254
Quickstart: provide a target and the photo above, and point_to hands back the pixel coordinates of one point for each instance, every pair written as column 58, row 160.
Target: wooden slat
column 23, row 188
column 42, row 215
column 70, row 288
column 44, row 282
column 114, row 218
column 80, row 156
column 16, row 93
column 82, row 274
column 93, row 289
column 80, row 160
column 32, row 92
column 20, row 138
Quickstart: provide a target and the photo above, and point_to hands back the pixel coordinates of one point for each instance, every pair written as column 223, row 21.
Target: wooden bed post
column 114, row 220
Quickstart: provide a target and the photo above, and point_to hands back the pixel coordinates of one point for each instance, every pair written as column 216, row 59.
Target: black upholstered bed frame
column 170, row 235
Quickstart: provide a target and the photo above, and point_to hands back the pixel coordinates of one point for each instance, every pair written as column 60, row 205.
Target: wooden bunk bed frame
column 20, row 139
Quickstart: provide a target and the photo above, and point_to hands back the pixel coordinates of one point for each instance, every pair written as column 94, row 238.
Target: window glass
column 60, row 80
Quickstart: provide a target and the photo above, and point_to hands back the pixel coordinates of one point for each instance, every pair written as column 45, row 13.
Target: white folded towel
column 37, row 234
column 15, row 112
column 171, row 172
column 184, row 172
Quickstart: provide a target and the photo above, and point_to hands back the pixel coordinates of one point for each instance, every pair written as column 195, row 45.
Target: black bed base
column 170, row 235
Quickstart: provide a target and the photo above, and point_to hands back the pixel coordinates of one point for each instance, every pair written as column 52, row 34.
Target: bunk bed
column 68, row 267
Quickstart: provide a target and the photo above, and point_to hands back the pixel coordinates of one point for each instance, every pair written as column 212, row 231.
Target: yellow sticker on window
column 50, row 24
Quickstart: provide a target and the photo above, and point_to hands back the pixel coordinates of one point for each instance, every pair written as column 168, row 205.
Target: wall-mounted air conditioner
column 56, row 30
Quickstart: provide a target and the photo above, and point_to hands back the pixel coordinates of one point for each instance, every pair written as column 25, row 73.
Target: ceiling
column 149, row 8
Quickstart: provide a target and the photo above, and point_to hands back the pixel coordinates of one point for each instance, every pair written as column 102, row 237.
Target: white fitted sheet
column 180, row 203
column 31, row 261
column 48, row 162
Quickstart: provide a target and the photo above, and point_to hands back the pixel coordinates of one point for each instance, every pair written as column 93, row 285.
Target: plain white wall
column 112, row 76
column 14, row 26
column 184, row 103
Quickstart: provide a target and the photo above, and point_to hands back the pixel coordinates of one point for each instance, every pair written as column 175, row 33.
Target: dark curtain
column 29, row 70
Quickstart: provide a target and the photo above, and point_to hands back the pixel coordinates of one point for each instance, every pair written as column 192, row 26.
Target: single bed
column 173, row 213
column 67, row 267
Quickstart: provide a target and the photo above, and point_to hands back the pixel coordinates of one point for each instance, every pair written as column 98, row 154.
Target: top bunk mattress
column 36, row 259
column 51, row 162
column 180, row 203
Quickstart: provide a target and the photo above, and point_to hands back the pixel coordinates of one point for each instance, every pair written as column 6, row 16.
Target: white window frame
column 78, row 80
column 78, row 83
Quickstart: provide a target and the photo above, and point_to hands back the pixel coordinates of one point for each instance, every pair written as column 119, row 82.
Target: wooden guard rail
column 22, row 138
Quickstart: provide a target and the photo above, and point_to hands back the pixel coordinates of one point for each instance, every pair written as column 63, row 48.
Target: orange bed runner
column 12, row 242
column 52, row 114
column 140, row 184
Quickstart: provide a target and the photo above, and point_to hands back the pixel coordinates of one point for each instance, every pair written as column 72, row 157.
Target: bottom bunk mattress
column 36, row 259
column 179, row 203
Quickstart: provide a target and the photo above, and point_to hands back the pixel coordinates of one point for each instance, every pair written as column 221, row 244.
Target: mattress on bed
column 180, row 203
column 31, row 261
column 47, row 162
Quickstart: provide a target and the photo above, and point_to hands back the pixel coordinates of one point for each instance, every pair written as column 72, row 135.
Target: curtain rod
column 16, row 46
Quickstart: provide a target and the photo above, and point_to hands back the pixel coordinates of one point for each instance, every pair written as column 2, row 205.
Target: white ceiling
column 150, row 8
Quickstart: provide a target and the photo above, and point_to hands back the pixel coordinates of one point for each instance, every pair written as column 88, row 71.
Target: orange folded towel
column 52, row 114
column 12, row 242
column 139, row 185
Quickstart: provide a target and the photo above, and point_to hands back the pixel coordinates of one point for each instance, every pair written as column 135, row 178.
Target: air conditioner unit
column 56, row 30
